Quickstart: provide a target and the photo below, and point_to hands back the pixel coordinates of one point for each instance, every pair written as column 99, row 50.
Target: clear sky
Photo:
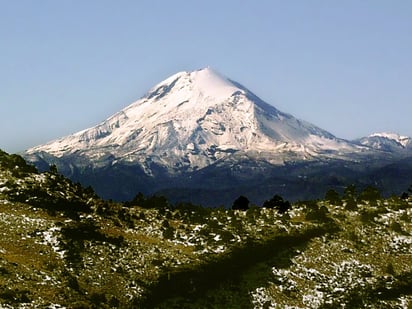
column 345, row 66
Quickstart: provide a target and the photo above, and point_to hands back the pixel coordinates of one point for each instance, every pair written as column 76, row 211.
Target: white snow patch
column 50, row 238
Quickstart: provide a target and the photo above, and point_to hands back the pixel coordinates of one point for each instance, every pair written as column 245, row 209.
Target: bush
column 317, row 214
column 351, row 205
column 15, row 296
column 333, row 197
column 98, row 298
column 370, row 194
column 404, row 196
column 368, row 216
column 278, row 203
column 350, row 192
column 154, row 201
column 168, row 232
column 241, row 203
column 396, row 227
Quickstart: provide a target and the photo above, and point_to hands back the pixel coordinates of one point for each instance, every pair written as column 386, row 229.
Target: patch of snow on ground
column 261, row 300
column 50, row 238
column 401, row 244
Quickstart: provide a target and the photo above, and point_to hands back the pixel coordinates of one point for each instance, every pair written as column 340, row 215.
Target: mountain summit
column 190, row 121
column 202, row 137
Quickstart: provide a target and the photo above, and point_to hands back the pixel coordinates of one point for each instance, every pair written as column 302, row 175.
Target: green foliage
column 16, row 164
column 168, row 232
column 138, row 200
column 241, row 203
column 278, row 203
column 98, row 298
column 154, row 201
column 14, row 296
column 316, row 213
column 396, row 227
column 75, row 235
column 192, row 213
column 368, row 216
column 62, row 245
column 333, row 197
column 350, row 193
column 49, row 190
column 351, row 204
column 53, row 169
column 370, row 194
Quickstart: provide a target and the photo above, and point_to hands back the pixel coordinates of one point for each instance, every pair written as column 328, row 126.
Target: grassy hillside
column 61, row 246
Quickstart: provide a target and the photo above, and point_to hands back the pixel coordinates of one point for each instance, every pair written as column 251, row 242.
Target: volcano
column 193, row 131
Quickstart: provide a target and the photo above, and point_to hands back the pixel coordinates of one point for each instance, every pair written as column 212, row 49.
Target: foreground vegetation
column 61, row 246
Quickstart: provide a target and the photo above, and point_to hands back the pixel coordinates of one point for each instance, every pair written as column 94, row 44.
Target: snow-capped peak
column 389, row 142
column 209, row 81
column 205, row 82
column 193, row 119
column 401, row 139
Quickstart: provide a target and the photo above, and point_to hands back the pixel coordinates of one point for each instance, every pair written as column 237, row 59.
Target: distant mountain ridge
column 391, row 142
column 193, row 124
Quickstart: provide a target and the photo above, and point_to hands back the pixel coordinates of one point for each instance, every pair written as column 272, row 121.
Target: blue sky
column 67, row 65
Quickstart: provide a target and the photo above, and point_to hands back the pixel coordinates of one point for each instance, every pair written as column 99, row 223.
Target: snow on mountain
column 193, row 119
column 391, row 142
column 400, row 139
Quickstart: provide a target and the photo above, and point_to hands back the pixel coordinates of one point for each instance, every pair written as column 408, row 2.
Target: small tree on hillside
column 350, row 192
column 370, row 194
column 333, row 197
column 155, row 201
column 138, row 200
column 350, row 197
column 53, row 169
column 241, row 203
column 405, row 195
column 278, row 203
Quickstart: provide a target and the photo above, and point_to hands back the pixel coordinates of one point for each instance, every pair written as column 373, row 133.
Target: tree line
column 350, row 197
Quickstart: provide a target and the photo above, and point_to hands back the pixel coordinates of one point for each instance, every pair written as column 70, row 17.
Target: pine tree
column 277, row 202
column 241, row 203
column 333, row 197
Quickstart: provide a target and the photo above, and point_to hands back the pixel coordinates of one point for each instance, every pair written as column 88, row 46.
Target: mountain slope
column 202, row 131
column 149, row 254
column 191, row 120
